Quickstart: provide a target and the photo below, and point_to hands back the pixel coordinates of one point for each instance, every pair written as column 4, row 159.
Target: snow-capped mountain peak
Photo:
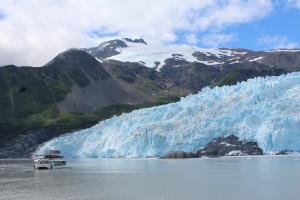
column 113, row 47
column 157, row 56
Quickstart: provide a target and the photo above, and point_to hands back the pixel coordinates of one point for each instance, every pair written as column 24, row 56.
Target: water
column 254, row 178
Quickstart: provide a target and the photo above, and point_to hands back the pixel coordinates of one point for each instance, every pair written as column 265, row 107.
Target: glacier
column 265, row 110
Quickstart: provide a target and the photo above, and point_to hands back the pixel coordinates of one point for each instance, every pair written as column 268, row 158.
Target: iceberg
column 265, row 110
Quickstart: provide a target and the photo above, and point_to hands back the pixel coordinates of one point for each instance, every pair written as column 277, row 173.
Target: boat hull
column 48, row 165
column 43, row 166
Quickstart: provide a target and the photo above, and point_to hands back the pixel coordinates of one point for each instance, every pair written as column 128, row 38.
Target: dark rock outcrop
column 221, row 146
column 287, row 152
column 140, row 40
column 23, row 145
column 106, row 49
column 231, row 146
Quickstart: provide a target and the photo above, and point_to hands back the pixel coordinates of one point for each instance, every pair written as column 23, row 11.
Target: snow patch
column 227, row 144
column 234, row 62
column 99, row 60
column 284, row 50
column 236, row 153
column 256, row 59
column 151, row 54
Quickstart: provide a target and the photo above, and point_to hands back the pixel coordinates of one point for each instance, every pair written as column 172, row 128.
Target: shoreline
column 157, row 158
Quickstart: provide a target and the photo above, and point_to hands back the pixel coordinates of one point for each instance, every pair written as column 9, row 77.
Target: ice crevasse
column 265, row 110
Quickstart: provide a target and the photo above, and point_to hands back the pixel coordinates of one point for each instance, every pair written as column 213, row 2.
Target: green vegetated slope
column 29, row 96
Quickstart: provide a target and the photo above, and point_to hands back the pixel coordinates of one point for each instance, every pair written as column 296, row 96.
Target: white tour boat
column 50, row 159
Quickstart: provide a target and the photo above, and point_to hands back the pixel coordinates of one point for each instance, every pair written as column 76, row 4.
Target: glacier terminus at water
column 265, row 110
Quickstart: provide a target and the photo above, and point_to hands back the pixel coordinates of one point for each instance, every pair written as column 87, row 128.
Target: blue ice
column 265, row 110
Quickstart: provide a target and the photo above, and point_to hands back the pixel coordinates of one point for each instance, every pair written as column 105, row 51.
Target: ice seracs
column 264, row 110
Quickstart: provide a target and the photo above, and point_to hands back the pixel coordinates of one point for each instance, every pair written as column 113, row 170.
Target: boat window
column 53, row 156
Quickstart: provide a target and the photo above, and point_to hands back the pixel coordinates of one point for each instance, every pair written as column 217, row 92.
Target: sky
column 33, row 31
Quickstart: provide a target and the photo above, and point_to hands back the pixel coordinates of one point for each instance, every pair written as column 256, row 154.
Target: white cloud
column 295, row 3
column 235, row 11
column 34, row 31
column 191, row 39
column 218, row 40
column 276, row 42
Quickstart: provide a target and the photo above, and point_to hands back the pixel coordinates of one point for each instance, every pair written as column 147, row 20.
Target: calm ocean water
column 255, row 178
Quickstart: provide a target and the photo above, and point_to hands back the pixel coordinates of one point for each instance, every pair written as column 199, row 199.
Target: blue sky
column 33, row 31
column 282, row 23
column 279, row 29
column 2, row 15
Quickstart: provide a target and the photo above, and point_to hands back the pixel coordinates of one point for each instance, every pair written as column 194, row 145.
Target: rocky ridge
column 221, row 146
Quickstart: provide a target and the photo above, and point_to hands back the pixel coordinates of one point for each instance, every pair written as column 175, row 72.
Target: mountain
column 263, row 110
column 72, row 91
column 161, row 56
column 113, row 47
column 81, row 87
column 193, row 68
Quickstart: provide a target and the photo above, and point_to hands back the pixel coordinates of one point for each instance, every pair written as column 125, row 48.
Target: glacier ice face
column 265, row 110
